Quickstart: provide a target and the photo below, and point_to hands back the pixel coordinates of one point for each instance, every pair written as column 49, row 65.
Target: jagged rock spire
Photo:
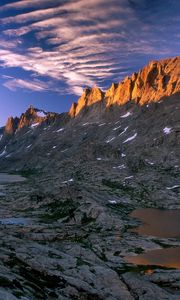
column 156, row 80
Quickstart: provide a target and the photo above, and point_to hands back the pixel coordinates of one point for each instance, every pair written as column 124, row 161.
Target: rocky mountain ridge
column 156, row 80
column 85, row 173
column 31, row 117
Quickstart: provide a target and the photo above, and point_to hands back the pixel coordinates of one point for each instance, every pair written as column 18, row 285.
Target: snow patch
column 125, row 129
column 126, row 115
column 1, row 136
column 123, row 155
column 149, row 162
column 173, row 187
column 116, row 128
column 60, row 129
column 3, row 152
column 130, row 138
column 167, row 130
column 99, row 158
column 112, row 201
column 41, row 114
column 34, row 125
column 70, row 180
column 29, row 146
column 29, row 131
column 129, row 177
column 120, row 167
column 102, row 124
column 62, row 151
column 54, row 147
column 110, row 140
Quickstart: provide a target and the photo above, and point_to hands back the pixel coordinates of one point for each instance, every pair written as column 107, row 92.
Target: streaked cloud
column 25, row 4
column 77, row 43
column 14, row 83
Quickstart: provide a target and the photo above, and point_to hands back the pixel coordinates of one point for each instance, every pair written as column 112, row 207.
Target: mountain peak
column 11, row 125
column 89, row 97
column 156, row 80
column 31, row 116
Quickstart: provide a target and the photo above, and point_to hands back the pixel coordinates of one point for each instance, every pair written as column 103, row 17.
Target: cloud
column 77, row 43
column 14, row 83
column 8, row 44
column 25, row 4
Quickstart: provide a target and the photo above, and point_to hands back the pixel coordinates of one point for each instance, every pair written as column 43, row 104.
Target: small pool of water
column 15, row 221
column 8, row 178
column 169, row 258
column 157, row 223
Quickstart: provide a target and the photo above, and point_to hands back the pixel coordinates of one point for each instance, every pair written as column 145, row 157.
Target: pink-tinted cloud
column 75, row 42
column 15, row 83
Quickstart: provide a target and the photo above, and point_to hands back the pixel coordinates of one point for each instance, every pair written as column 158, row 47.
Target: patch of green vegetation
column 59, row 210
column 117, row 253
column 81, row 262
column 120, row 208
column 171, row 171
column 138, row 250
column 18, row 294
column 78, row 175
column 103, row 255
column 87, row 244
column 139, row 268
column 162, row 244
column 60, row 268
column 4, row 282
column 86, row 220
column 117, row 185
column 27, row 172
column 141, row 193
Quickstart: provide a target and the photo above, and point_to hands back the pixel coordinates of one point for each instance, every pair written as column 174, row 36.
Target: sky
column 50, row 50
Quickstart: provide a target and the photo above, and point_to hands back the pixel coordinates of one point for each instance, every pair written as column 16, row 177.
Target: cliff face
column 11, row 125
column 89, row 97
column 158, row 79
column 30, row 117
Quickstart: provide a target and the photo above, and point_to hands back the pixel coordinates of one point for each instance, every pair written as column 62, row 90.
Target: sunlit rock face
column 121, row 93
column 31, row 116
column 156, row 80
column 88, row 98
column 72, row 111
column 11, row 125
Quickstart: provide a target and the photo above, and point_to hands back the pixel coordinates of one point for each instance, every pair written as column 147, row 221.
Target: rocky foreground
column 86, row 171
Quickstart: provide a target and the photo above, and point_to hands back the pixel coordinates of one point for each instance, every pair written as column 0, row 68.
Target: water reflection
column 158, row 222
column 8, row 178
column 15, row 221
column 169, row 258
